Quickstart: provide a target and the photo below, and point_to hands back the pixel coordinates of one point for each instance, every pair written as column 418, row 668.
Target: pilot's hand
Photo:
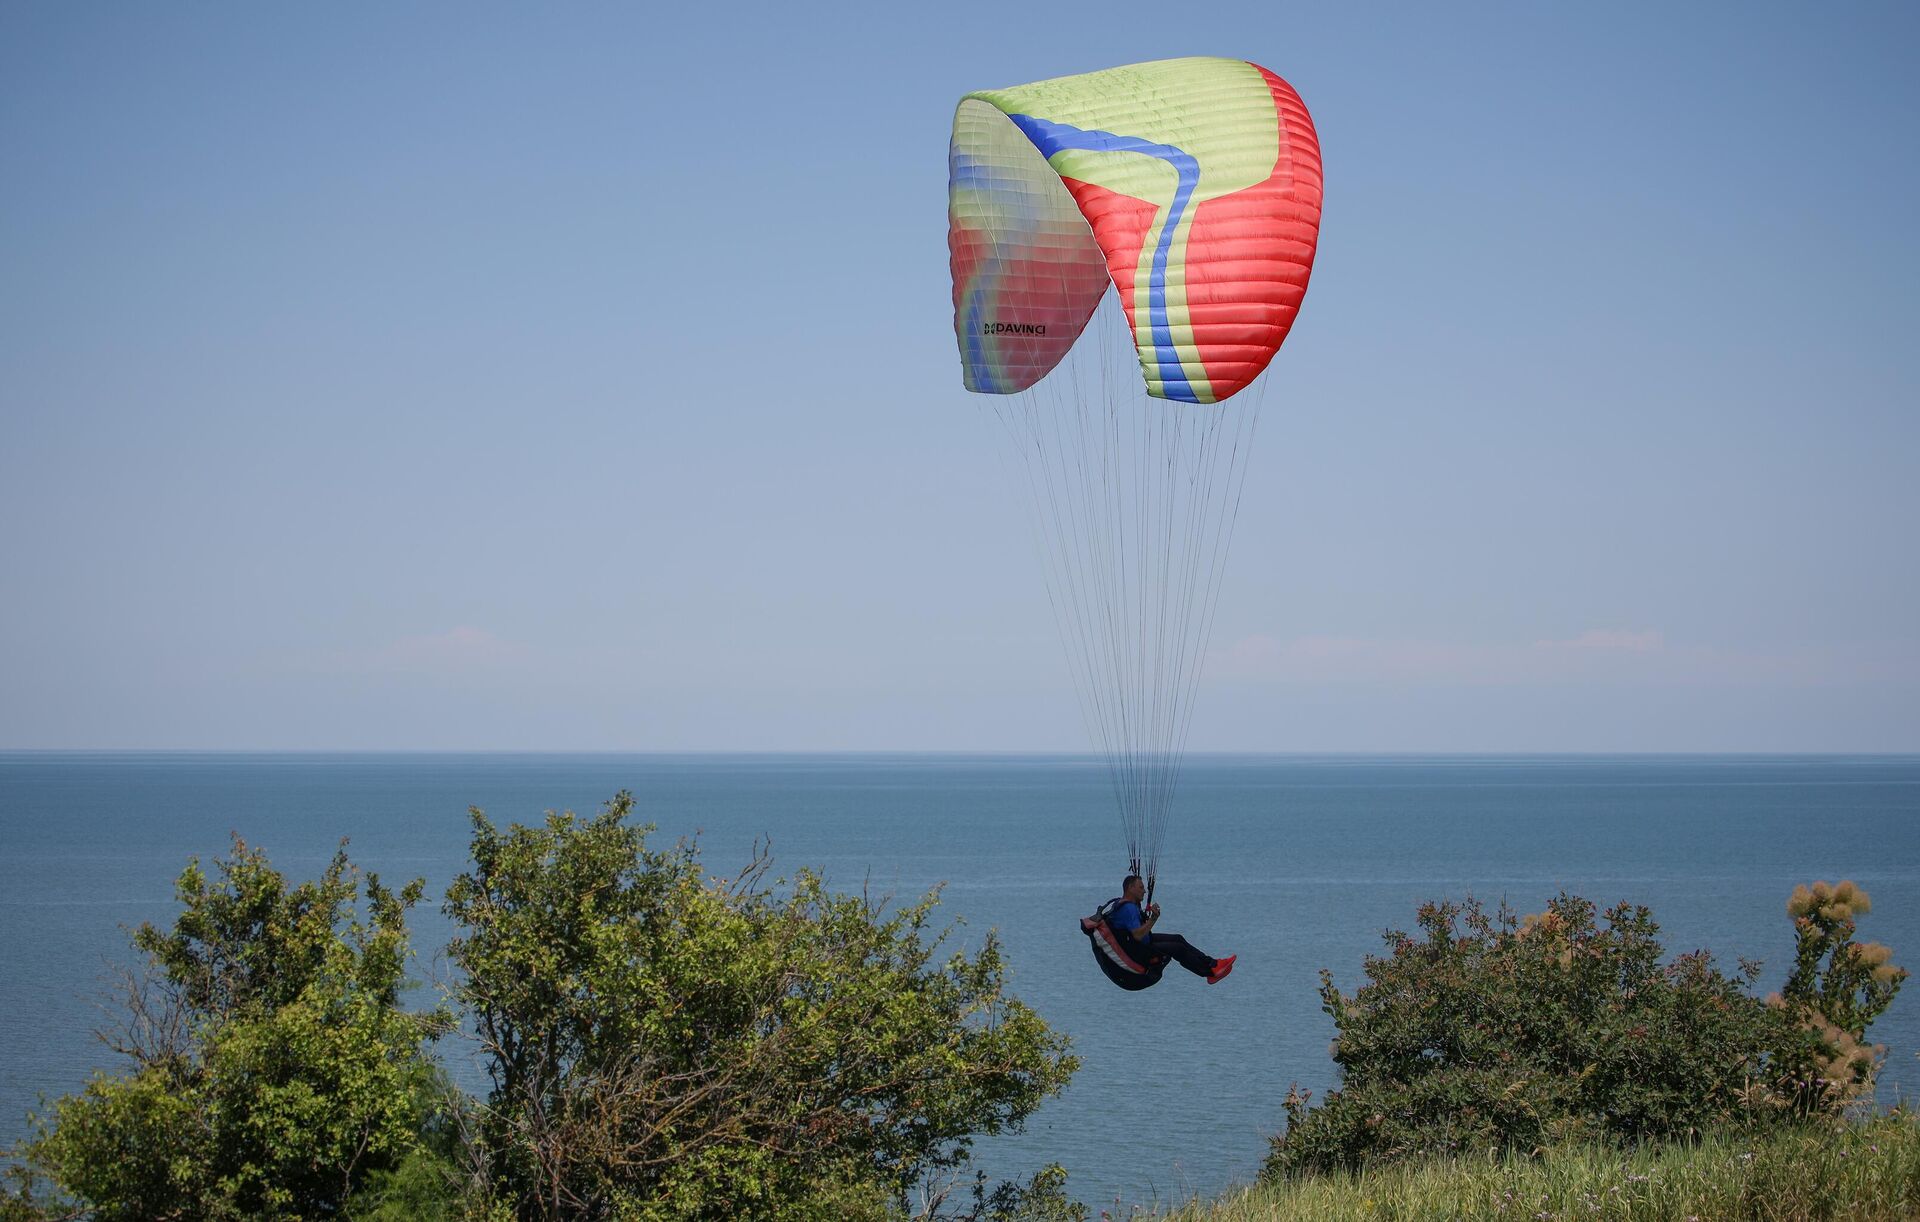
column 1153, row 910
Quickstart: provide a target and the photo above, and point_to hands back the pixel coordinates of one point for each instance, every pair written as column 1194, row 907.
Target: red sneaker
column 1220, row 969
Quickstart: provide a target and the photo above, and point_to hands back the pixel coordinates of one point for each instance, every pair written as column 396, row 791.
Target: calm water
column 1293, row 863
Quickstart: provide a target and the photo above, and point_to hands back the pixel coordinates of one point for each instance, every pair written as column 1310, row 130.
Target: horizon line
column 967, row 752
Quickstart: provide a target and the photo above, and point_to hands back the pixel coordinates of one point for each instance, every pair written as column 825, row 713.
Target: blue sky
column 581, row 378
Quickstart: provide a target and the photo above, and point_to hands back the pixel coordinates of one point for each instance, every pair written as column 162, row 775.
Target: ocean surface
column 1294, row 863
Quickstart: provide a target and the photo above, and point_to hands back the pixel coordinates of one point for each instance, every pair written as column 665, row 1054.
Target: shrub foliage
column 1484, row 1031
column 665, row 1044
column 1837, row 988
column 272, row 1067
column 661, row 1044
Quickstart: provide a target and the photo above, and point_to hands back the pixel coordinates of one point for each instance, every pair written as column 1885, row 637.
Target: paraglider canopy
column 1191, row 185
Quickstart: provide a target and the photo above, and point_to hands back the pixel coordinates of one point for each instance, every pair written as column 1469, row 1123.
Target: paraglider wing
column 1192, row 185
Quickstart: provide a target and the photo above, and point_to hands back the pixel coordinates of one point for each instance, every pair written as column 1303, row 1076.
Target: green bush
column 272, row 1068
column 667, row 1045
column 662, row 1045
column 1487, row 1032
column 1837, row 988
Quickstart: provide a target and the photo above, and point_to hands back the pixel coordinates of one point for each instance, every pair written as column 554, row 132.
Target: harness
column 1120, row 957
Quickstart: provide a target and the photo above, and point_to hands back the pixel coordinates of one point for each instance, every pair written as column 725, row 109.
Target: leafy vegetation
column 1837, row 988
column 664, row 1044
column 1492, row 1033
column 661, row 1044
column 272, row 1067
column 1862, row 1172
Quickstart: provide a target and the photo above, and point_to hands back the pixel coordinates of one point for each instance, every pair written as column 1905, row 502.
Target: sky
column 581, row 377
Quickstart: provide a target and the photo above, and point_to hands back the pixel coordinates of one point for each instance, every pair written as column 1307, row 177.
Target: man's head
column 1135, row 888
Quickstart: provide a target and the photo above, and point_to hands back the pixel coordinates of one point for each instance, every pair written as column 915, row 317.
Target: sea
column 1297, row 864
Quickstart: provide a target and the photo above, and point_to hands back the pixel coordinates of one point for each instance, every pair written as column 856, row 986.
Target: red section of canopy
column 1250, row 254
column 1120, row 224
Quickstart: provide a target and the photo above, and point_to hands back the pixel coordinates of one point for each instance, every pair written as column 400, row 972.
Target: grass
column 1864, row 1172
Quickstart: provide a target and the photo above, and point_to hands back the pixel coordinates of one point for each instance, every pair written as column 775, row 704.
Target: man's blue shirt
column 1124, row 918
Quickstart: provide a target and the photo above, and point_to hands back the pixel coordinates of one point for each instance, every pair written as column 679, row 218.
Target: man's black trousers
column 1186, row 954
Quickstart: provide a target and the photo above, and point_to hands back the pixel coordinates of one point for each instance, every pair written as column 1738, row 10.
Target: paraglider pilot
column 1135, row 929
